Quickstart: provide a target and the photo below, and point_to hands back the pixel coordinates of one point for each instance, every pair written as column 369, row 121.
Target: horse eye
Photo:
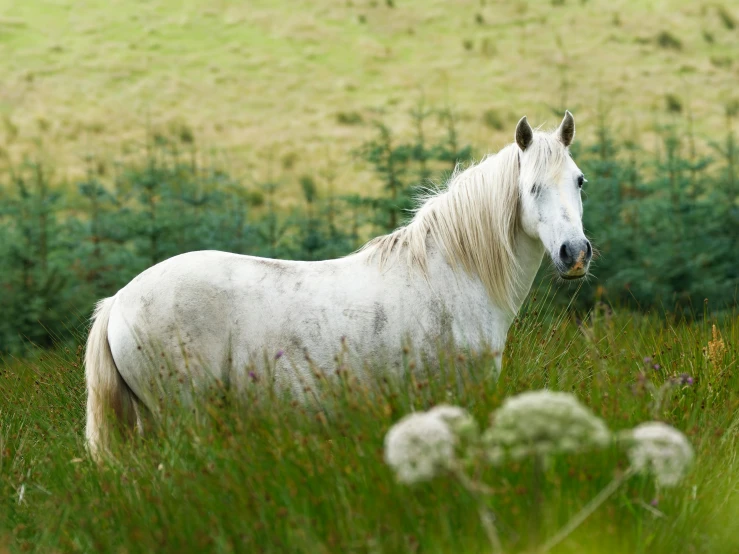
column 580, row 181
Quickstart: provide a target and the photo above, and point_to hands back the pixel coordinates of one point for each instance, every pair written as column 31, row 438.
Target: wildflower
column 253, row 377
column 447, row 412
column 279, row 354
column 661, row 450
column 459, row 420
column 647, row 360
column 419, row 446
column 657, row 367
column 685, row 379
column 542, row 423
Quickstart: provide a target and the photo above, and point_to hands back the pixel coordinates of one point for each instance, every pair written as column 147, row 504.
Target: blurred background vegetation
column 134, row 131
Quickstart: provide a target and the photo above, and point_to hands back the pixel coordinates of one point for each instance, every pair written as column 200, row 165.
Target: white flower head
column 448, row 413
column 419, row 446
column 661, row 450
column 542, row 423
column 458, row 419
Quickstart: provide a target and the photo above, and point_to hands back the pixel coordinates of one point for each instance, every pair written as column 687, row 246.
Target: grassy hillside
column 299, row 81
column 277, row 478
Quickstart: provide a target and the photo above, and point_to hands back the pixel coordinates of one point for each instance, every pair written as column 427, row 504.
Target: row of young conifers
column 662, row 222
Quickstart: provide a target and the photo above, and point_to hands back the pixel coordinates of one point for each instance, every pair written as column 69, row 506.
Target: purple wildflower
column 648, row 360
column 279, row 354
column 253, row 376
column 657, row 367
column 686, row 379
column 654, row 502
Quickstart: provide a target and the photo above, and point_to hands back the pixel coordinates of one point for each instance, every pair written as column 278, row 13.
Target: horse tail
column 110, row 402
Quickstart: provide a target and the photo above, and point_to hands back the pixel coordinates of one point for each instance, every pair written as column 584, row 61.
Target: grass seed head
column 715, row 350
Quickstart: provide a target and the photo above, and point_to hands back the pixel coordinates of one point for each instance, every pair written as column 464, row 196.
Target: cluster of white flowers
column 542, row 423
column 661, row 450
column 537, row 423
column 533, row 424
column 422, row 444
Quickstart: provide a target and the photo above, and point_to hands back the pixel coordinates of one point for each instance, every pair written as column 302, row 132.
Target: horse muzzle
column 574, row 258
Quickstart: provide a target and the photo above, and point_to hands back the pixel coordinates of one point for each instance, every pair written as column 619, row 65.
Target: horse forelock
column 545, row 158
column 475, row 219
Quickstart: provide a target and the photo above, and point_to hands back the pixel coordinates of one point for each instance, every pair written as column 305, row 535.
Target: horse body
column 456, row 274
column 220, row 316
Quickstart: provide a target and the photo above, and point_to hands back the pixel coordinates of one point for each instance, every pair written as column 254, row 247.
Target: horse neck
column 530, row 253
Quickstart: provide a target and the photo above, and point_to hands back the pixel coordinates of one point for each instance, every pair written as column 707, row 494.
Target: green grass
column 268, row 476
column 270, row 78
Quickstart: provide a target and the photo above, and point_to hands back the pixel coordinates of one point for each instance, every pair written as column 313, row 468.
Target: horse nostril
column 564, row 254
column 588, row 249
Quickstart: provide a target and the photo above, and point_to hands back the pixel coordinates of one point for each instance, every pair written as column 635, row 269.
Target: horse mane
column 475, row 219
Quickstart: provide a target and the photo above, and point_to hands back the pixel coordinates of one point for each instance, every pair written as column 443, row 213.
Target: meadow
column 134, row 131
column 270, row 475
column 305, row 80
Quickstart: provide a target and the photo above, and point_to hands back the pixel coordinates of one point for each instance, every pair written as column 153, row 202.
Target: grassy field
column 272, row 477
column 290, row 88
column 298, row 83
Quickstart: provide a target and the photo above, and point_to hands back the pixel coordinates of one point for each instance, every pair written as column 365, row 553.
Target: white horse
column 459, row 270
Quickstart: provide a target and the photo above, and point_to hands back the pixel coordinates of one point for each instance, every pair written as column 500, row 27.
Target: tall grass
column 271, row 475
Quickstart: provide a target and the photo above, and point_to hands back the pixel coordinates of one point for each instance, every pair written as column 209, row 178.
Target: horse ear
column 524, row 134
column 566, row 131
